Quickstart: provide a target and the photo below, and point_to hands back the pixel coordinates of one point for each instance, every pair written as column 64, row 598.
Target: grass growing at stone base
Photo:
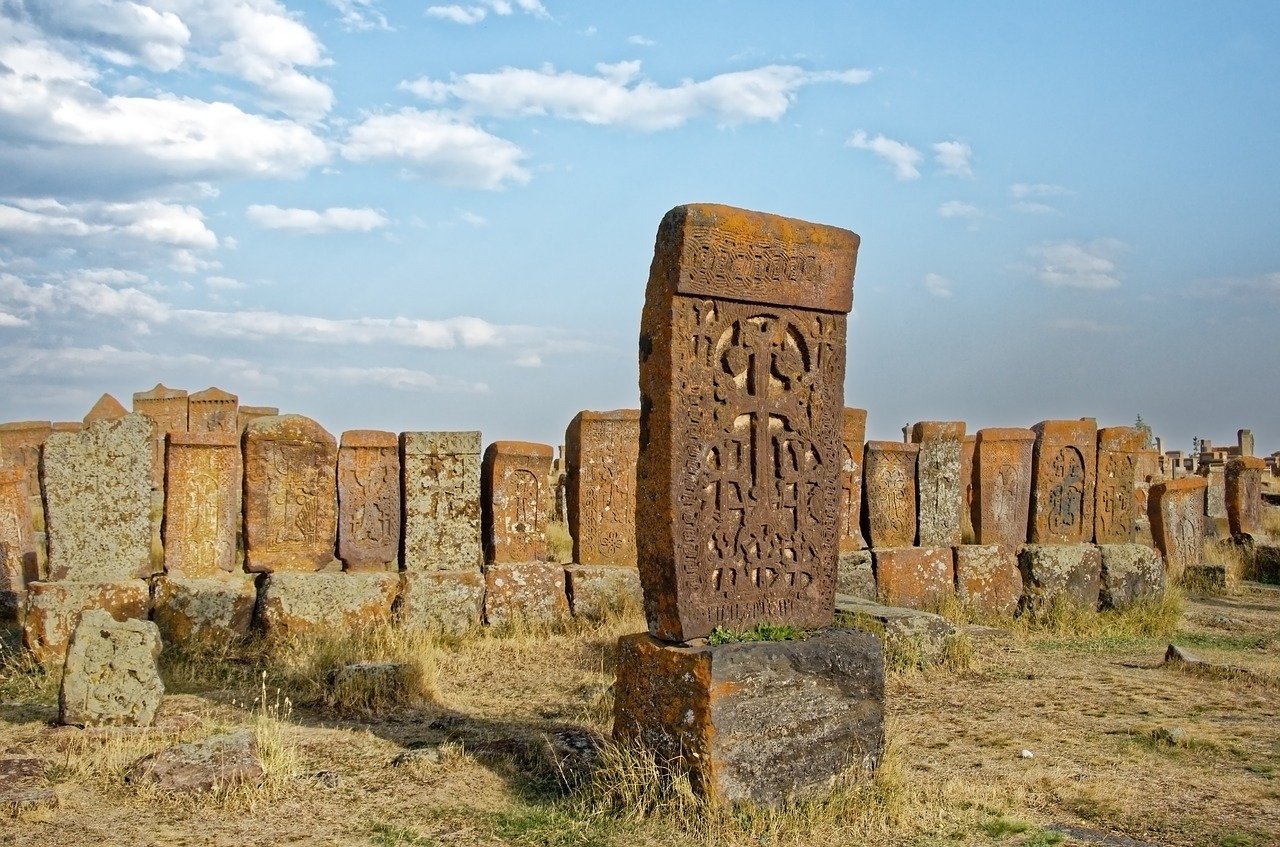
column 759, row 632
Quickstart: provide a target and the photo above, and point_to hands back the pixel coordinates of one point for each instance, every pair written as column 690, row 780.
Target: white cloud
column 954, row 157
column 903, row 158
column 472, row 218
column 640, row 41
column 1023, row 190
column 1070, row 264
column 1032, row 208
column 937, row 285
column 440, row 146
column 7, row 319
column 619, row 95
column 458, row 14
column 124, row 33
column 397, row 379
column 474, row 13
column 360, row 15
column 334, row 219
column 528, row 360
column 224, row 283
column 958, row 209
column 40, row 224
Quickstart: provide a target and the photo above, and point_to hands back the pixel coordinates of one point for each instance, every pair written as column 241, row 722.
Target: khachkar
column 738, row 501
column 1243, row 486
column 1063, row 467
column 854, row 436
column 600, row 452
column 1115, row 513
column 369, row 500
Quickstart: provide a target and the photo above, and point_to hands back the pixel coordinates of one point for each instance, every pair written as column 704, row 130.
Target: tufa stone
column 110, row 677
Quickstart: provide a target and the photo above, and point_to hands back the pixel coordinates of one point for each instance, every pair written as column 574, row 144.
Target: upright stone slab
column 202, row 504
column 968, row 449
column 601, row 449
column 107, row 408
column 853, row 436
column 111, row 677
column 1063, row 466
column 1243, row 494
column 166, row 408
column 18, row 562
column 290, row 514
column 441, row 481
column 97, row 489
column 369, row 501
column 1244, row 440
column 939, row 484
column 1177, row 522
column 1002, row 487
column 1120, row 453
column 1148, row 473
column 889, row 493
column 247, row 414
column 742, row 357
column 515, row 502
column 20, row 443
column 915, row 577
column 213, row 410
column 1215, row 496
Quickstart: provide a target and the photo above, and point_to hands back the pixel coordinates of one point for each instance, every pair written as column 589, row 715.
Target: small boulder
column 220, row 761
column 111, row 677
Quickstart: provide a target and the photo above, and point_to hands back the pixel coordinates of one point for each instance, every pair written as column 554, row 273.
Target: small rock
column 195, row 767
column 1027, row 754
column 423, row 755
column 1174, row 736
column 23, row 783
column 328, row 779
column 1177, row 654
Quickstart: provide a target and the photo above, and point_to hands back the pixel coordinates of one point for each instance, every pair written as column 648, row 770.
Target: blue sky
column 410, row 216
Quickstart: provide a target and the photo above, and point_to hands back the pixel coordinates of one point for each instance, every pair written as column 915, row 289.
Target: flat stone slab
column 1130, row 572
column 988, row 579
column 899, row 621
column 919, row 577
column 294, row 603
column 54, row 609
column 196, row 767
column 24, row 783
column 111, row 677
column 534, row 591
column 449, row 601
column 204, row 611
column 1067, row 572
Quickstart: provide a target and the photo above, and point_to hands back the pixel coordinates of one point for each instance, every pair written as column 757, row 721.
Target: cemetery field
column 472, row 743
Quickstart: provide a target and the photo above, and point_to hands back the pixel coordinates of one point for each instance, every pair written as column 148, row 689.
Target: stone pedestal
column 1068, row 572
column 759, row 722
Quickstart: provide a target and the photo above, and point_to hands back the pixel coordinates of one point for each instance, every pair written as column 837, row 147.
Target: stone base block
column 1130, row 572
column 928, row 630
column 111, row 678
column 596, row 590
column 1072, row 572
column 54, row 609
column 988, row 579
column 203, row 611
column 297, row 603
column 1206, row 578
column 915, row 577
column 534, row 591
column 449, row 601
column 855, row 576
column 1262, row 563
column 756, row 722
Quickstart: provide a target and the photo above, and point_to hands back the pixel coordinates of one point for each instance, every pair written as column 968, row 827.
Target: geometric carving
column 1116, row 513
column 889, row 499
column 940, row 489
column 1177, row 522
column 441, row 484
column 515, row 501
column 742, row 355
column 202, row 504
column 369, row 500
column 166, row 408
column 290, row 515
column 854, row 436
column 600, row 451
column 1063, row 467
column 1002, row 485
column 1243, row 494
column 213, row 410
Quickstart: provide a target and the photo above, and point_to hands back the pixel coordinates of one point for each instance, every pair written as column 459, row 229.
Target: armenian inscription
column 741, row 384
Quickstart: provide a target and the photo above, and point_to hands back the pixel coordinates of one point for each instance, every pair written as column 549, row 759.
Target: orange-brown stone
column 853, row 434
column 166, row 408
column 1177, row 522
column 246, row 414
column 1243, row 494
column 532, row 591
column 601, row 449
column 889, row 493
column 939, row 487
column 1116, row 514
column 18, row 561
column 369, row 500
column 1002, row 485
column 299, row 603
column 968, row 447
column 53, row 609
column 213, row 410
column 1063, row 466
column 290, row 513
column 20, row 447
column 202, row 504
column 915, row 577
column 515, row 501
column 107, row 408
column 988, row 579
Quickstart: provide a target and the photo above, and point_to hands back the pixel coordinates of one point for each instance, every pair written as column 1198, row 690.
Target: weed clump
column 759, row 632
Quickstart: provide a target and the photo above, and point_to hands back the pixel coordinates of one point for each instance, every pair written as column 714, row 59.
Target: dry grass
column 559, row 542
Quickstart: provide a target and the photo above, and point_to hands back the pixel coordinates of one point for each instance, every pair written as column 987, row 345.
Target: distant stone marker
column 1178, row 523
column 939, row 487
column 515, row 501
column 1002, row 488
column 213, row 410
column 1120, row 450
column 601, row 449
column 1243, row 494
column 854, row 436
column 17, row 541
column 889, row 484
column 441, row 483
column 107, row 408
column 290, row 514
column 166, row 408
column 742, row 361
column 202, row 504
column 369, row 500
column 1063, row 467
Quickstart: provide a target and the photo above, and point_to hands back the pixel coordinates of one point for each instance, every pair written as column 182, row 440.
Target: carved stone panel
column 213, row 410
column 97, row 489
column 601, row 449
column 515, row 501
column 1243, row 494
column 968, row 448
column 889, row 499
column 1177, row 522
column 441, row 480
column 369, row 500
column 291, row 514
column 20, row 444
column 854, row 435
column 202, row 504
column 1115, row 517
column 939, row 487
column 1002, row 485
column 166, row 408
column 1063, row 467
column 17, row 541
column 741, row 393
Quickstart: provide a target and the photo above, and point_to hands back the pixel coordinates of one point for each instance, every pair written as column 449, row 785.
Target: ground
column 1121, row 749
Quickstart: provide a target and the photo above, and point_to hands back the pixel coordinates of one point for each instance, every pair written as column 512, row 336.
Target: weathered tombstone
column 1243, row 495
column 202, row 504
column 247, row 414
column 915, row 577
column 1215, row 498
column 1177, row 522
column 293, row 603
column 1244, row 438
column 290, row 513
column 968, row 448
column 18, row 564
column 988, row 579
column 1130, row 573
column 107, row 408
column 1002, row 487
column 441, row 482
column 1063, row 466
column 449, row 601
column 738, row 511
column 1115, row 515
column 1060, row 573
column 1148, row 472
column 939, row 483
column 166, row 408
column 97, row 487
column 853, row 436
column 889, row 493
column 54, row 609
column 111, row 677
column 213, row 410
column 515, row 502
column 369, row 501
column 20, row 443
column 600, row 451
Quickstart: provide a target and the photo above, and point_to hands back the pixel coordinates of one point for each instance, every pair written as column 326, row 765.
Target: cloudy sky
column 405, row 216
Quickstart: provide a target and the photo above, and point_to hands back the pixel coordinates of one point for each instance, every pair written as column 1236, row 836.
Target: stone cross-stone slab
column 854, row 436
column 889, row 493
column 166, row 408
column 441, row 482
column 107, row 408
column 1002, row 485
column 1063, row 466
column 968, row 448
column 601, row 449
column 245, row 414
column 515, row 501
column 18, row 563
column 939, row 486
column 291, row 495
column 97, row 487
column 20, row 443
column 1115, row 515
column 1243, row 494
column 111, row 677
column 202, row 504
column 1177, row 522
column 213, row 410
column 742, row 358
column 369, row 500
